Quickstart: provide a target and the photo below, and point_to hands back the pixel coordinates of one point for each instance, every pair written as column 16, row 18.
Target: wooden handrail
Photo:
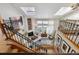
column 21, row 43
column 19, row 35
column 70, row 42
column 19, row 39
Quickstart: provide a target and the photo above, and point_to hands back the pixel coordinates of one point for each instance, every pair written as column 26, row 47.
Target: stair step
column 14, row 50
column 4, row 47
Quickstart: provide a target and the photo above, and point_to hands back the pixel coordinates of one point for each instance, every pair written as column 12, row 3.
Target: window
column 45, row 25
column 51, row 22
column 39, row 22
column 45, row 22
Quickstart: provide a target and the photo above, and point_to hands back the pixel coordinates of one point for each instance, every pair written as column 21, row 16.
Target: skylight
column 63, row 10
column 29, row 10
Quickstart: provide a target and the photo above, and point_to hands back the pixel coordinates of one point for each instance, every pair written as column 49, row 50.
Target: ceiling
column 43, row 10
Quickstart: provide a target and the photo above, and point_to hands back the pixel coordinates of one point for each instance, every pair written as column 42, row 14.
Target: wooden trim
column 12, row 42
column 70, row 43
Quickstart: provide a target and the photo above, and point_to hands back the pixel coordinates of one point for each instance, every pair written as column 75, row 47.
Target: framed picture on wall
column 65, row 47
column 59, row 43
column 16, row 21
column 72, row 51
column 59, row 40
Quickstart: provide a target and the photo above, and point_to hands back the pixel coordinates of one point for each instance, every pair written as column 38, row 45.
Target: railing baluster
column 77, row 39
column 70, row 28
column 74, row 35
column 18, row 37
column 70, row 31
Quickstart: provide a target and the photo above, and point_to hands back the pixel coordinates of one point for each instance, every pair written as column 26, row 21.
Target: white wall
column 6, row 11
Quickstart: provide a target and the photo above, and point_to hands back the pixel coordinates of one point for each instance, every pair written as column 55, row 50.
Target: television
column 30, row 34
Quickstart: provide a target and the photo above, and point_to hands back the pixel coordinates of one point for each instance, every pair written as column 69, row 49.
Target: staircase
column 17, row 42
